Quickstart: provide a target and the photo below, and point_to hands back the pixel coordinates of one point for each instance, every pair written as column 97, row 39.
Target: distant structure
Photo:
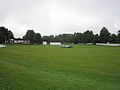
column 55, row 43
column 3, row 46
column 44, row 43
column 19, row 41
column 107, row 44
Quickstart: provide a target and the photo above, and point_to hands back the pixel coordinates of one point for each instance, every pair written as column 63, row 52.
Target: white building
column 55, row 43
column 44, row 43
column 3, row 46
column 19, row 41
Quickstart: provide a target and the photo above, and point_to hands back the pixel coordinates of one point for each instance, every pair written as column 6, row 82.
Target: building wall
column 44, row 43
column 55, row 43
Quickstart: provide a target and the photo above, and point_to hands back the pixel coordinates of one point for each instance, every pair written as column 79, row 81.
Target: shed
column 44, row 43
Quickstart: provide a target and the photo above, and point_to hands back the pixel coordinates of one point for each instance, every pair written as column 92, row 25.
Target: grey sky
column 59, row 16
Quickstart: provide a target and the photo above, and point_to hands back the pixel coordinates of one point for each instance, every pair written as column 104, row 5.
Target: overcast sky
column 59, row 16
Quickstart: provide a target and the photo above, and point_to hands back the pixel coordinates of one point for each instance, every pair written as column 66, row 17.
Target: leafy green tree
column 69, row 38
column 65, row 38
column 96, row 39
column 37, row 38
column 104, row 35
column 49, row 38
column 29, row 36
column 88, row 37
column 78, row 38
column 113, row 38
column 2, row 38
column 5, row 35
column 46, row 38
column 10, row 35
column 57, row 39
column 118, row 37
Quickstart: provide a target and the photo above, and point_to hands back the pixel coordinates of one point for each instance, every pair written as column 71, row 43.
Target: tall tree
column 118, row 37
column 29, row 36
column 88, row 37
column 10, row 35
column 37, row 38
column 5, row 35
column 78, row 38
column 104, row 35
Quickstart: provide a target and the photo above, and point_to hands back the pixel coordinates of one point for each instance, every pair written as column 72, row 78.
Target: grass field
column 35, row 67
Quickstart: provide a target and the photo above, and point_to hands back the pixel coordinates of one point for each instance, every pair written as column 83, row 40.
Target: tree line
column 86, row 37
column 76, row 38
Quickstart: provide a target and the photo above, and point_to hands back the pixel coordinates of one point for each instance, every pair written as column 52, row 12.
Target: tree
column 29, row 36
column 46, row 38
column 5, row 35
column 88, row 37
column 68, row 38
column 37, row 38
column 96, row 39
column 113, row 38
column 118, row 37
column 104, row 35
column 49, row 38
column 65, row 38
column 57, row 39
column 10, row 35
column 78, row 38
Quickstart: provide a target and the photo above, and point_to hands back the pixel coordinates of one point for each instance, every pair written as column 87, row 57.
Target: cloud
column 59, row 16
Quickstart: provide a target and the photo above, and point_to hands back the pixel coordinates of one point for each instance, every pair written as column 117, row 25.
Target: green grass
column 35, row 67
